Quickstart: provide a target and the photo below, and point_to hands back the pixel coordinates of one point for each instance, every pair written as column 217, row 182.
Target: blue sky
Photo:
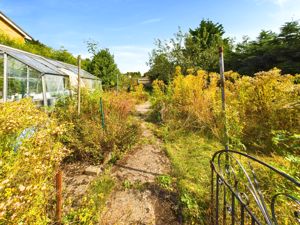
column 129, row 27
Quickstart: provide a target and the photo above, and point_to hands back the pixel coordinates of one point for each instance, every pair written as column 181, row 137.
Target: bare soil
column 138, row 199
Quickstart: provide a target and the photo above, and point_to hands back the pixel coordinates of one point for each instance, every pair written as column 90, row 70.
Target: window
column 16, row 79
column 88, row 83
column 91, row 84
column 34, row 85
column 1, row 77
column 23, row 81
column 56, row 86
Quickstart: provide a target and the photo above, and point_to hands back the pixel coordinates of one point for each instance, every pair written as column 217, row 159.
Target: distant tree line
column 269, row 50
column 198, row 49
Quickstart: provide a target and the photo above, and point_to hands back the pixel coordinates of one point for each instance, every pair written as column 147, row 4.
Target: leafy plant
column 28, row 163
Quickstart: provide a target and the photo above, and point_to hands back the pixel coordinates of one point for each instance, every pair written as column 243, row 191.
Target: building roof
column 45, row 65
column 15, row 26
column 144, row 80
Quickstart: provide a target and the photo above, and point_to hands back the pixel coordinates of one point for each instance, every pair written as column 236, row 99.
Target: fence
column 245, row 190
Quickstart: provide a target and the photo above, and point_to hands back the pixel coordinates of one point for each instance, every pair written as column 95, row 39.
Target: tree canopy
column 269, row 50
column 103, row 66
column 196, row 49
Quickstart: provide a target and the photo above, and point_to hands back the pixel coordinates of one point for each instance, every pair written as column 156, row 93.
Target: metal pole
column 5, row 78
column 44, row 90
column 223, row 97
column 27, row 82
column 58, row 197
column 78, row 88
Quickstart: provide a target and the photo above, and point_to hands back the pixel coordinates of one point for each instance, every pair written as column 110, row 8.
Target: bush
column 140, row 94
column 86, row 137
column 256, row 107
column 30, row 153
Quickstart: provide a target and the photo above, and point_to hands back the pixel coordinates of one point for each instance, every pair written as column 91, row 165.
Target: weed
column 164, row 181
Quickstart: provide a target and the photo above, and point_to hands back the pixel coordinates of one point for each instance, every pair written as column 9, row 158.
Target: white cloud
column 280, row 2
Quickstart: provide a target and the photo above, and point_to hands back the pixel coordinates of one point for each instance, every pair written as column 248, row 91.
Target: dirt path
column 137, row 198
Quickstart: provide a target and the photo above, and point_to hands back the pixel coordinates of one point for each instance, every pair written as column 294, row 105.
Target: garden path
column 138, row 199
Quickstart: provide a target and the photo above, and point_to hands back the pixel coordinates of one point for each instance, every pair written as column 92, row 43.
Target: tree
column 161, row 68
column 201, row 45
column 196, row 49
column 269, row 50
column 103, row 66
column 208, row 34
column 290, row 30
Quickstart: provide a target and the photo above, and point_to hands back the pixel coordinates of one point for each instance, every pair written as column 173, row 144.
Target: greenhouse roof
column 45, row 65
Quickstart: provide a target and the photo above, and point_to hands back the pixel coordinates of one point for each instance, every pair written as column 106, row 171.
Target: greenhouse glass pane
column 91, row 83
column 35, row 85
column 16, row 79
column 56, row 86
column 1, row 77
column 88, row 83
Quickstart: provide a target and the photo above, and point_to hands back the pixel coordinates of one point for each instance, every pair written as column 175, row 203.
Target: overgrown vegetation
column 86, row 137
column 259, row 108
column 88, row 212
column 261, row 120
column 33, row 145
column 30, row 153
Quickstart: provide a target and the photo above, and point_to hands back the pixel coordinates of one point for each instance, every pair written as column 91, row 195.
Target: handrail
column 236, row 192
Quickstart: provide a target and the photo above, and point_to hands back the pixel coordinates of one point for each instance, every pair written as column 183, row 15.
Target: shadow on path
column 138, row 170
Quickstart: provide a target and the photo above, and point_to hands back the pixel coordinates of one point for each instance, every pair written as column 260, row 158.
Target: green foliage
column 133, row 74
column 89, row 210
column 164, row 181
column 28, row 163
column 267, row 51
column 33, row 145
column 103, row 66
column 285, row 140
column 161, row 68
column 190, row 155
column 256, row 106
column 85, row 136
column 140, row 94
column 196, row 49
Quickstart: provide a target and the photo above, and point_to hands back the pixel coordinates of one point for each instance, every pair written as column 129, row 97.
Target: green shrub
column 256, row 106
column 30, row 153
column 86, row 137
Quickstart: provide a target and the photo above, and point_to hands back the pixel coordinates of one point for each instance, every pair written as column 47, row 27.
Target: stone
column 92, row 170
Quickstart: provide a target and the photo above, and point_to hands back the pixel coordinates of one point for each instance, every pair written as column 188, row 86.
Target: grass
column 190, row 154
column 88, row 212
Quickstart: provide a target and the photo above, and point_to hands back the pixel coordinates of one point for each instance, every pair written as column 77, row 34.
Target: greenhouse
column 24, row 74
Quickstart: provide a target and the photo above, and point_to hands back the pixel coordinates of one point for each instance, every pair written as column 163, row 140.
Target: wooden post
column 222, row 78
column 58, row 197
column 78, row 88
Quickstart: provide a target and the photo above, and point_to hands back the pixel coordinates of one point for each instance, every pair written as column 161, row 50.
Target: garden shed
column 24, row 74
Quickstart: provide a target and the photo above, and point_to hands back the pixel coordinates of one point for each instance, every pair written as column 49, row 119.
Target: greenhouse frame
column 24, row 74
